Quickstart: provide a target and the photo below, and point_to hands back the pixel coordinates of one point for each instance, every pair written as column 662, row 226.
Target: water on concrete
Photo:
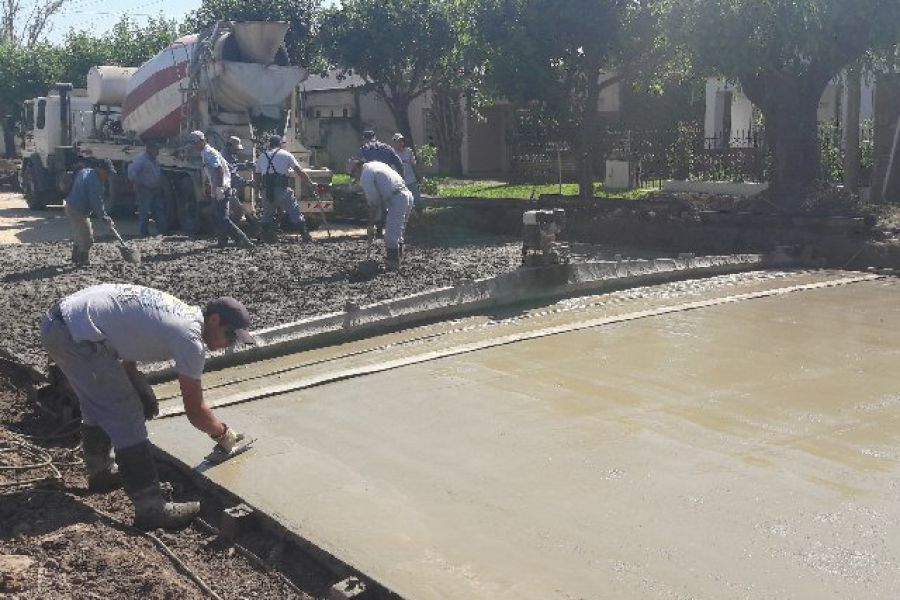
column 743, row 449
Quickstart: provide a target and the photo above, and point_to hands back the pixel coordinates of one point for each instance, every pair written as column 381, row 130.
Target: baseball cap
column 232, row 313
column 368, row 134
column 275, row 140
column 106, row 164
column 196, row 136
column 236, row 142
column 153, row 145
column 397, row 137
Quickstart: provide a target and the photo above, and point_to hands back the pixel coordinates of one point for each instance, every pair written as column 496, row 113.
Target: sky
column 98, row 16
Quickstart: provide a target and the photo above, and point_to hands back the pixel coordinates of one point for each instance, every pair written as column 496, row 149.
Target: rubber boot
column 75, row 256
column 392, row 259
column 267, row 233
column 103, row 475
column 305, row 238
column 141, row 480
column 84, row 258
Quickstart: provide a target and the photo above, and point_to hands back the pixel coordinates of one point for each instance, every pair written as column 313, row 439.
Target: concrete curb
column 520, row 287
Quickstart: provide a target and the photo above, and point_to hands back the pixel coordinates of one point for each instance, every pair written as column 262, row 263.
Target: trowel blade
column 218, row 456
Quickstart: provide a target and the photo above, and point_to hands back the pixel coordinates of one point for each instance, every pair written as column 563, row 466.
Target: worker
column 385, row 192
column 410, row 168
column 96, row 336
column 86, row 196
column 236, row 209
column 218, row 174
column 145, row 175
column 271, row 178
column 372, row 149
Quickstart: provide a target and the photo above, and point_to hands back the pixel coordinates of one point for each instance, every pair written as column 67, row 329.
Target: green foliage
column 426, row 155
column 297, row 13
column 497, row 189
column 26, row 72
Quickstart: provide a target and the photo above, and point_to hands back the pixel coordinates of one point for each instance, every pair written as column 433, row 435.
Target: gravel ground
column 279, row 283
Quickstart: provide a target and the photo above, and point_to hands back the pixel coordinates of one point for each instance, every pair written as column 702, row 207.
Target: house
column 336, row 110
column 731, row 120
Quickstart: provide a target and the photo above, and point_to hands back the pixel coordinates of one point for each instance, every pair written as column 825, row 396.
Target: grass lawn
column 498, row 189
column 340, row 179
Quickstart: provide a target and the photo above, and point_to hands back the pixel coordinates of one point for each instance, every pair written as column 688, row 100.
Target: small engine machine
column 540, row 238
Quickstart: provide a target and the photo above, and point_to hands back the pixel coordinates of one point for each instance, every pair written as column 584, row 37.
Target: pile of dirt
column 279, row 283
column 58, row 541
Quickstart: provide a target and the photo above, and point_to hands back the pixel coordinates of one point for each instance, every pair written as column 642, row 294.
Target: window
column 41, row 119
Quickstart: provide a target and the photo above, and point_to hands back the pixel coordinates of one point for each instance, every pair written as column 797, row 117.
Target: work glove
column 219, row 193
column 146, row 395
column 228, row 440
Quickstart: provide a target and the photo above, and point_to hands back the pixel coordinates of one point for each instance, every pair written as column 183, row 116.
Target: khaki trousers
column 82, row 233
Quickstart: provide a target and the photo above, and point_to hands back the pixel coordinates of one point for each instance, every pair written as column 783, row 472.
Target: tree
column 297, row 13
column 26, row 73
column 399, row 47
column 550, row 55
column 26, row 24
column 784, row 53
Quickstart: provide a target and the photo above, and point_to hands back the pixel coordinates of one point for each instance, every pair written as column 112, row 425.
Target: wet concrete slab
column 744, row 449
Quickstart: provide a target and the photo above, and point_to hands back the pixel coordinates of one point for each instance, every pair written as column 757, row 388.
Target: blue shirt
column 238, row 181
column 144, row 172
column 381, row 152
column 87, row 193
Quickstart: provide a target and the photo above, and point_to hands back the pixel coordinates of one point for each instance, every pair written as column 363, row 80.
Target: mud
column 278, row 282
column 69, row 551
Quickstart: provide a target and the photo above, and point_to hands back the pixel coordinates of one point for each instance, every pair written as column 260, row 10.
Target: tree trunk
column 447, row 115
column 587, row 136
column 398, row 104
column 851, row 129
column 790, row 107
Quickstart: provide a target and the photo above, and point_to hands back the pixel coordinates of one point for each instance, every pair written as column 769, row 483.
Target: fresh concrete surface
column 747, row 449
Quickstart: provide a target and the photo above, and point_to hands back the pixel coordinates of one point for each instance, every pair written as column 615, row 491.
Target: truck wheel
column 36, row 200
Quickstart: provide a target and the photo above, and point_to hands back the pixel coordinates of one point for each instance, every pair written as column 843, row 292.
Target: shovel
column 128, row 254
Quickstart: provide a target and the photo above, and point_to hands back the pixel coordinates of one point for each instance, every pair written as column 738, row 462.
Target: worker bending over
column 385, row 193
column 96, row 336
column 86, row 196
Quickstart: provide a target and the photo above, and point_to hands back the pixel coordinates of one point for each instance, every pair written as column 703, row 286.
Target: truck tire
column 36, row 199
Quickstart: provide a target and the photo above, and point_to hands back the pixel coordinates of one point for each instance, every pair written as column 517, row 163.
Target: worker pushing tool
column 385, row 192
column 96, row 336
column 272, row 169
column 86, row 197
column 218, row 174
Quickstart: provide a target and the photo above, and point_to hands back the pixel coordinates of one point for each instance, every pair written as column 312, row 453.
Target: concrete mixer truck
column 232, row 79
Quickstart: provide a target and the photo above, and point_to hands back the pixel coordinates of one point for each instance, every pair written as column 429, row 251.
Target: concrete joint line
column 339, row 375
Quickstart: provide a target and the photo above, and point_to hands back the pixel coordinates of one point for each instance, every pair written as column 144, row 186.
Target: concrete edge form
column 523, row 286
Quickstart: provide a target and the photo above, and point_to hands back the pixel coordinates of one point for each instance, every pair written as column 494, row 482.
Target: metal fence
column 684, row 152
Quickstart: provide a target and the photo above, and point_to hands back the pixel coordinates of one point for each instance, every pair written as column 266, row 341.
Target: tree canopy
column 399, row 47
column 784, row 53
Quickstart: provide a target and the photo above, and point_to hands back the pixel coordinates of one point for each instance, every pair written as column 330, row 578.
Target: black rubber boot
column 304, row 232
column 103, row 475
column 151, row 511
column 392, row 259
column 76, row 255
column 84, row 258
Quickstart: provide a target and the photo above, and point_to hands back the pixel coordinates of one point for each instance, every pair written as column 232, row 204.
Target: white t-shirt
column 282, row 161
column 139, row 324
column 379, row 182
column 211, row 159
column 409, row 163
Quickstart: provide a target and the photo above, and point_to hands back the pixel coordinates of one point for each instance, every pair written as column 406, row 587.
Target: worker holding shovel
column 86, row 196
column 385, row 192
column 96, row 336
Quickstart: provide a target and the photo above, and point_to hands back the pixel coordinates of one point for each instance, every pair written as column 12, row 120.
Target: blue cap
column 275, row 140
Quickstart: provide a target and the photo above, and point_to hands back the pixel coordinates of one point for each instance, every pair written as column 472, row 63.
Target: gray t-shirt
column 139, row 324
column 379, row 182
